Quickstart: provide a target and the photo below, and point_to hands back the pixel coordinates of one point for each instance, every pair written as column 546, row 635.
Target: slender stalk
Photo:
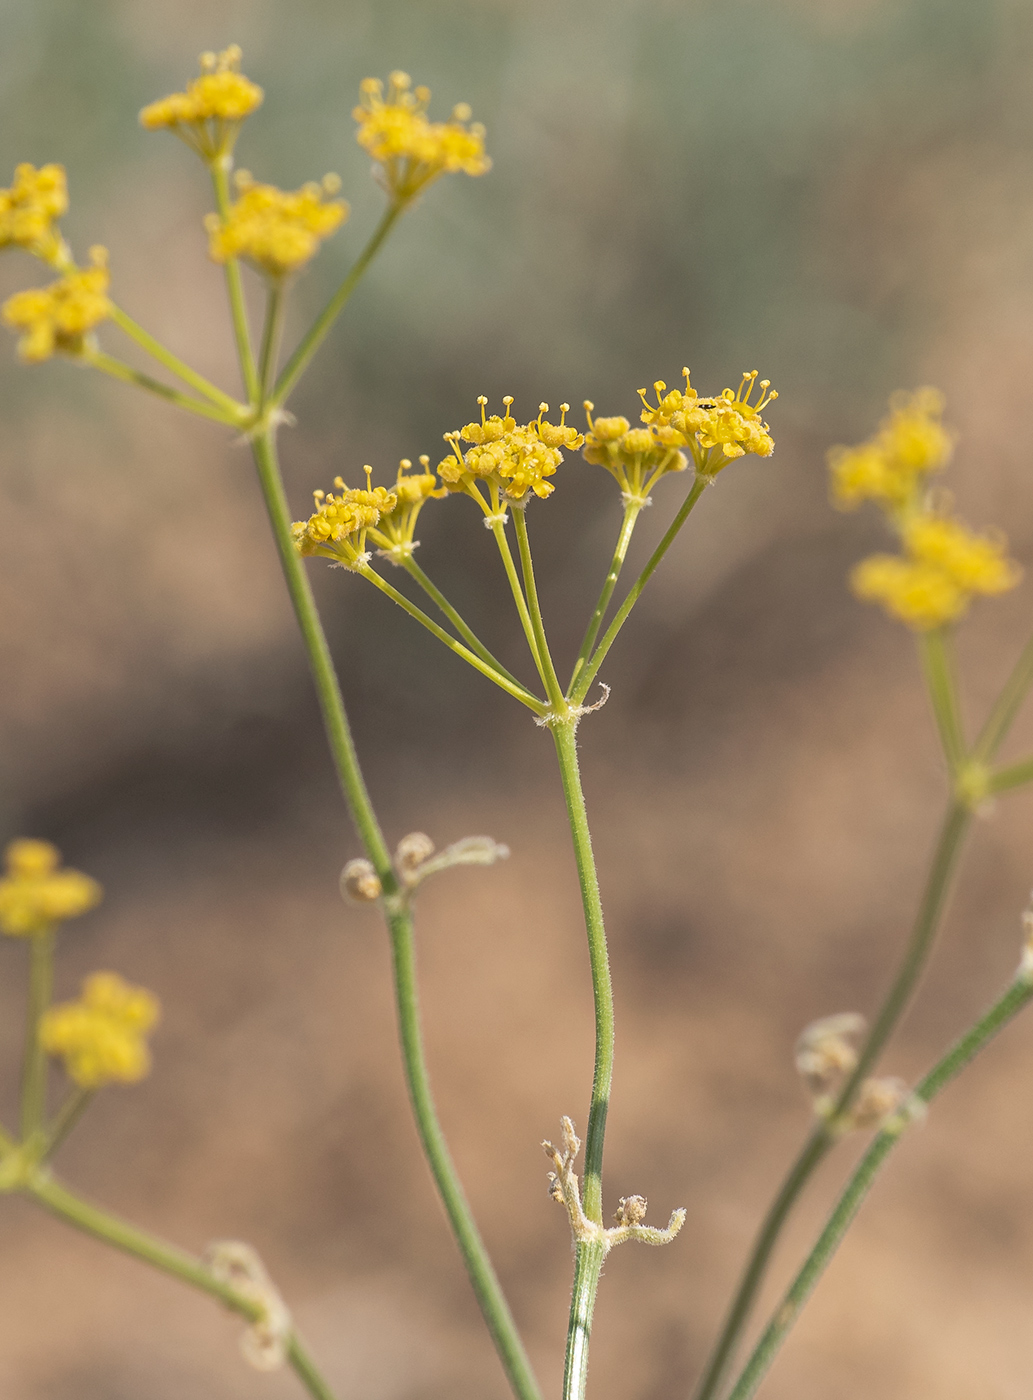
column 1006, row 707
column 1013, row 776
column 588, row 1255
column 955, row 1060
column 411, row 567
column 513, row 688
column 632, row 511
column 220, row 168
column 589, row 671
column 270, row 339
column 335, row 719
column 319, row 329
column 65, row 1119
column 499, row 531
column 170, row 1260
column 821, row 1139
column 938, row 666
column 478, row 1263
column 552, row 684
column 118, row 369
column 173, row 363
column 34, row 1066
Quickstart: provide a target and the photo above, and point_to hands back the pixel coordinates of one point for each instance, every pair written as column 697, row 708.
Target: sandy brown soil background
column 839, row 191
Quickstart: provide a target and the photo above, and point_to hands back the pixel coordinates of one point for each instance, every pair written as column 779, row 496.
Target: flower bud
column 360, row 883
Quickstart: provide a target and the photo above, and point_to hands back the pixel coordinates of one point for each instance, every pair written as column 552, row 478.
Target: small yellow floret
column 716, row 430
column 510, row 457
column 277, row 230
column 409, row 150
column 30, row 208
column 337, row 528
column 35, row 894
column 100, row 1037
column 891, row 468
column 919, row 594
column 58, row 317
column 976, row 563
column 208, row 115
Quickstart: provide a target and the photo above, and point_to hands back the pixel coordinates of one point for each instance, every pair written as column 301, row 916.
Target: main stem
column 960, row 1055
column 170, row 1260
column 821, row 1139
column 486, row 1286
column 589, row 1255
column 34, row 1066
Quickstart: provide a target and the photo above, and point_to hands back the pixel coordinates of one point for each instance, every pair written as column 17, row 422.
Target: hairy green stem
column 591, row 668
column 320, row 328
column 439, row 600
column 220, row 169
column 173, row 363
column 631, row 514
column 34, row 1065
column 506, row 554
column 513, row 688
column 485, row 1283
column 489, row 1294
column 118, row 369
column 588, row 1254
column 961, row 1054
column 937, row 658
column 821, row 1139
column 552, row 684
column 103, row 1226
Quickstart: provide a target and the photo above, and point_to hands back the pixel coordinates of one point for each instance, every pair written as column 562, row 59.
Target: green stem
column 34, row 1067
column 319, row 329
column 220, row 168
column 172, row 362
column 821, row 1139
column 478, row 1264
column 170, row 1260
column 588, row 1256
column 552, row 684
column 513, row 688
column 631, row 514
column 499, row 531
column 335, row 719
column 960, row 1055
column 1013, row 776
column 814, row 1149
column 590, row 670
column 65, row 1119
column 118, row 369
column 342, row 749
column 270, row 339
column 1006, row 707
column 941, row 681
column 439, row 600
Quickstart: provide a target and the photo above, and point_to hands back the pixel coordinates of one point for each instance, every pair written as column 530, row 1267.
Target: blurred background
column 837, row 192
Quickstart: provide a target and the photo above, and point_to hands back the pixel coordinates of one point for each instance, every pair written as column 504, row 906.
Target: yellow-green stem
column 499, row 531
column 588, row 1254
column 220, row 168
column 1006, row 707
column 439, row 600
column 489, row 1293
column 632, row 510
column 275, row 301
column 118, row 369
column 34, row 1065
column 173, row 363
column 103, row 1226
column 65, row 1119
column 320, row 328
column 937, row 657
column 552, row 684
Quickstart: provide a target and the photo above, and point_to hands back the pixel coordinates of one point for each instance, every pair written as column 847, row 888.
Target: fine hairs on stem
column 497, row 472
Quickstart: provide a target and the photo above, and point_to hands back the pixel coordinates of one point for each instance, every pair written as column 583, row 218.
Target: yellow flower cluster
column 58, row 317
column 276, row 230
column 35, row 894
column 635, row 457
column 29, row 209
column 512, row 458
column 208, row 115
column 100, row 1037
column 893, row 466
column 397, row 526
column 943, row 564
column 337, row 528
column 409, row 150
column 715, row 430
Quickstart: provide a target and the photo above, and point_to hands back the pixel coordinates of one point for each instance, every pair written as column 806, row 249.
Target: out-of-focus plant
column 503, row 465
